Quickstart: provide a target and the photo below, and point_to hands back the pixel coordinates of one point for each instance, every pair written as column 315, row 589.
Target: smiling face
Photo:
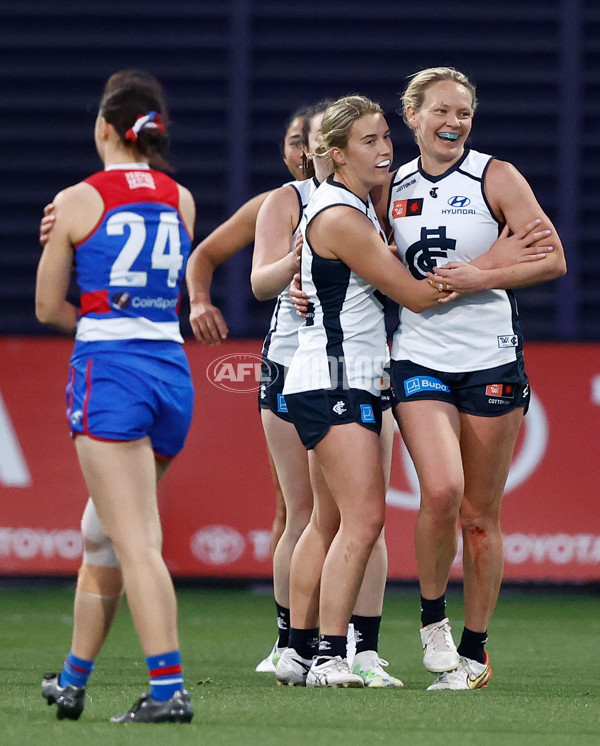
column 442, row 124
column 367, row 157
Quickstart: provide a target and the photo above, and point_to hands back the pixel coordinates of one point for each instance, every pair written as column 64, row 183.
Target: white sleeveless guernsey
column 342, row 343
column 282, row 338
column 440, row 219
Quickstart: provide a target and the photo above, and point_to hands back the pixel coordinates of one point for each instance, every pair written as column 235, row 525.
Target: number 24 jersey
column 130, row 267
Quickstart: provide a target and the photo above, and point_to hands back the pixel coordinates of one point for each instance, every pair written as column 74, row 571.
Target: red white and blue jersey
column 130, row 267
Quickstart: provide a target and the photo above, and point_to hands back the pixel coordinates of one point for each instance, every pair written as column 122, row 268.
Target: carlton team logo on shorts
column 241, row 372
column 339, row 408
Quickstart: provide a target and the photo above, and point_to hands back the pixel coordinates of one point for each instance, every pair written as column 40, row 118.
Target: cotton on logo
column 241, row 372
column 13, row 467
column 525, row 460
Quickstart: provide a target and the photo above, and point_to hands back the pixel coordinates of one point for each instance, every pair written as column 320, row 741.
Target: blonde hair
column 415, row 91
column 339, row 118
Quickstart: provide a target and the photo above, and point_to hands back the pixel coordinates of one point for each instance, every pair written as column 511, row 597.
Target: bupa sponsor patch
column 424, row 383
column 367, row 414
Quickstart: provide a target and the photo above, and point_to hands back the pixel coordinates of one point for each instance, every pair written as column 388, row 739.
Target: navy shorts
column 314, row 412
column 117, row 398
column 270, row 392
column 388, row 399
column 486, row 393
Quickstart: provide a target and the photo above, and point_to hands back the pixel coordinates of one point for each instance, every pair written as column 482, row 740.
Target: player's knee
column 367, row 531
column 98, row 549
column 100, row 580
column 477, row 525
column 441, row 502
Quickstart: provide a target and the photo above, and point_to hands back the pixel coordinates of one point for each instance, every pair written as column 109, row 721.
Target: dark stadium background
column 234, row 69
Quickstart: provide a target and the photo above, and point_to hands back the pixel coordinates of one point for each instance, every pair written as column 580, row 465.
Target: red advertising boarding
column 217, row 501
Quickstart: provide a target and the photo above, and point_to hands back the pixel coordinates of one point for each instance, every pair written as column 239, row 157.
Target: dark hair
column 128, row 95
column 310, row 112
column 299, row 112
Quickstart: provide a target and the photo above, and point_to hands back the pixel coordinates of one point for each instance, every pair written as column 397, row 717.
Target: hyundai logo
column 459, row 201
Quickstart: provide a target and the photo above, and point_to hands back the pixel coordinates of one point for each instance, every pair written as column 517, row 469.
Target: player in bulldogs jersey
column 459, row 367
column 127, row 230
column 275, row 261
column 332, row 389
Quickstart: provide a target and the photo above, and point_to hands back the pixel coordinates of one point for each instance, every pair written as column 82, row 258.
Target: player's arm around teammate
column 236, row 233
column 460, row 368
column 343, row 248
column 275, row 261
column 514, row 203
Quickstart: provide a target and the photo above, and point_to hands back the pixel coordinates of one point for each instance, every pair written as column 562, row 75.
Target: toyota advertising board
column 217, row 500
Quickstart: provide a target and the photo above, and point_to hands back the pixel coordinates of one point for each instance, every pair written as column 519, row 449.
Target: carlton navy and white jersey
column 440, row 219
column 130, row 267
column 282, row 338
column 342, row 343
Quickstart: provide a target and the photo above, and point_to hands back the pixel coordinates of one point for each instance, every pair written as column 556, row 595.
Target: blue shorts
column 314, row 412
column 486, row 393
column 270, row 392
column 122, row 397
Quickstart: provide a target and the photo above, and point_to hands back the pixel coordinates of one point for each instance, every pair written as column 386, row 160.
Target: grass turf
column 544, row 649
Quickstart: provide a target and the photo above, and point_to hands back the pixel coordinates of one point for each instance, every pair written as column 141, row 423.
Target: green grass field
column 544, row 649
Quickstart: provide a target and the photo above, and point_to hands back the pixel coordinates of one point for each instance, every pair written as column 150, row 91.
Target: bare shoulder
column 337, row 228
column 283, row 196
column 505, row 185
column 79, row 195
column 78, row 209
column 254, row 204
column 187, row 207
column 281, row 206
column 503, row 178
column 185, row 197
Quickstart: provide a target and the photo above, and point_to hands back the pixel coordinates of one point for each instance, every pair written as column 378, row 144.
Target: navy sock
column 330, row 646
column 472, row 645
column 366, row 632
column 304, row 641
column 283, row 625
column 166, row 675
column 76, row 671
column 433, row 610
